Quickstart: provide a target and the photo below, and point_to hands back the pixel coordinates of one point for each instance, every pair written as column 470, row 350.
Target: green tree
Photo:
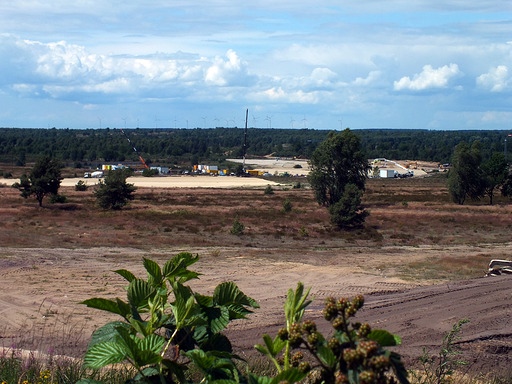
column 44, row 179
column 339, row 162
column 465, row 178
column 495, row 172
column 348, row 211
column 114, row 192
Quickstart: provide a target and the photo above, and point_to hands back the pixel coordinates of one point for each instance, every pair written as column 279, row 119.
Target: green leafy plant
column 354, row 353
column 439, row 369
column 166, row 327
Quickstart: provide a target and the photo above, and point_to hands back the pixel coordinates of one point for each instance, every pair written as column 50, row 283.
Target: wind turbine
column 269, row 119
column 254, row 118
column 291, row 122
column 305, row 121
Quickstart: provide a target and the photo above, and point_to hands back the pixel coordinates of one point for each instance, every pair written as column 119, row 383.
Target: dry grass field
column 416, row 246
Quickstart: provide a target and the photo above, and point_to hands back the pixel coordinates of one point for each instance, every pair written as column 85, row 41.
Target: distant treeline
column 200, row 146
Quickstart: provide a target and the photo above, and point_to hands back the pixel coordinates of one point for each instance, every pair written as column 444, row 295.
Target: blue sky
column 423, row 64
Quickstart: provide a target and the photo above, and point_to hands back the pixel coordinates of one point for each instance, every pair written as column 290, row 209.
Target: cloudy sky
column 323, row 64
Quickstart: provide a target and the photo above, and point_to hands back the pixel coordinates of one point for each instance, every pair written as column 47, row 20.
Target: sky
column 323, row 64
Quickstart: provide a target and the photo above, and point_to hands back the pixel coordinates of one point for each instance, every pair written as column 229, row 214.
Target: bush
column 166, row 328
column 268, row 190
column 58, row 199
column 114, row 192
column 146, row 172
column 348, row 211
column 81, row 186
column 287, row 205
column 237, row 228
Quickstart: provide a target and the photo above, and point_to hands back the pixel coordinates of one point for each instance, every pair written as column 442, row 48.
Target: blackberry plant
column 352, row 354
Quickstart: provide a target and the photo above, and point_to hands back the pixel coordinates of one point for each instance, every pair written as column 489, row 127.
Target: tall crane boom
column 135, row 150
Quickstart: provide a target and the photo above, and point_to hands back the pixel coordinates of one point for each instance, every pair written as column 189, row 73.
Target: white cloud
column 496, row 80
column 371, row 78
column 429, row 78
column 226, row 72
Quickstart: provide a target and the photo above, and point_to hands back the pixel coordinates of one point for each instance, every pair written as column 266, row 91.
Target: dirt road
column 41, row 290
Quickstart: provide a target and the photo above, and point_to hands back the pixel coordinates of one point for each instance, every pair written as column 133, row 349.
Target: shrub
column 439, row 369
column 237, row 228
column 81, row 186
column 114, row 192
column 162, row 339
column 287, row 205
column 354, row 353
column 268, row 190
column 58, row 199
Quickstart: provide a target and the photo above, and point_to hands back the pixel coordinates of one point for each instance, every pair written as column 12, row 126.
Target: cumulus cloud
column 226, row 72
column 63, row 70
column 428, row 78
column 496, row 80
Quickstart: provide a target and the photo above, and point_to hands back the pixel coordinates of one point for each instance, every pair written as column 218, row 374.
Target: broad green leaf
column 183, row 305
column 215, row 367
column 216, row 342
column 106, row 305
column 254, row 379
column 292, row 375
column 154, row 271
column 108, row 332
column 218, row 318
column 103, row 354
column 384, row 338
column 296, row 303
column 272, row 347
column 126, row 274
column 140, row 326
column 139, row 291
column 153, row 343
column 88, row 381
column 128, row 344
column 326, row 356
column 204, row 301
column 228, row 294
column 177, row 267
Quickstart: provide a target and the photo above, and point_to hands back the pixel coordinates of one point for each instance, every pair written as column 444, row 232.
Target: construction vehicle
column 499, row 267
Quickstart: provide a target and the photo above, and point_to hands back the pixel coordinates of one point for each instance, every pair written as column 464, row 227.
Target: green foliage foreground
column 168, row 331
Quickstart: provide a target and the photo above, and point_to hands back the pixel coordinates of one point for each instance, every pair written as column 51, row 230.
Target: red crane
column 135, row 150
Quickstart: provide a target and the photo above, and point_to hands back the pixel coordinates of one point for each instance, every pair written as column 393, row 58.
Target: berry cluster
column 353, row 351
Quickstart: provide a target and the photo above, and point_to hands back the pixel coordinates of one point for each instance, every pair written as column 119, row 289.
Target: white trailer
column 387, row 173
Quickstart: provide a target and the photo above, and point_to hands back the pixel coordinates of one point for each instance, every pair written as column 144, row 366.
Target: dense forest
column 185, row 147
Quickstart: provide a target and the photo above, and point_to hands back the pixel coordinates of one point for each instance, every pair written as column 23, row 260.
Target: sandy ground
column 184, row 182
column 273, row 166
column 42, row 288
